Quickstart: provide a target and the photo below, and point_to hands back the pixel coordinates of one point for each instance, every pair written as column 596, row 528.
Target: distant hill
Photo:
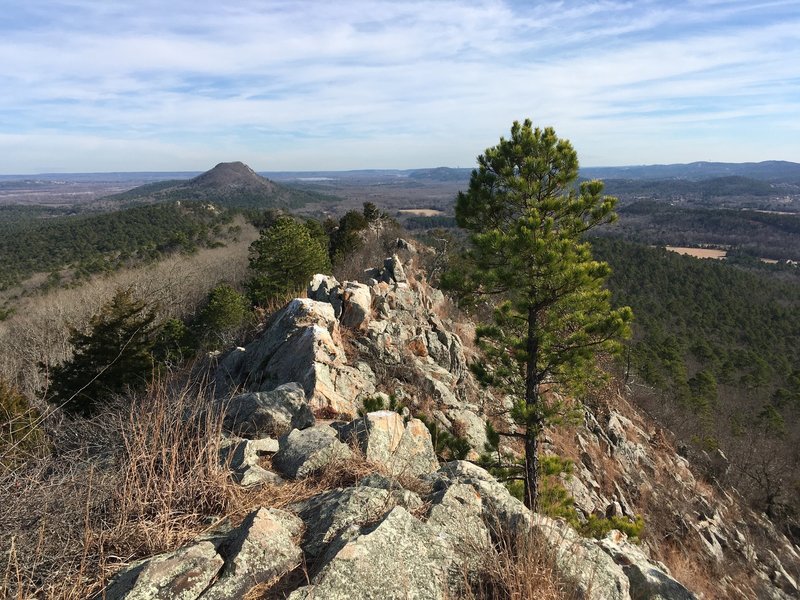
column 440, row 174
column 230, row 185
column 770, row 170
column 715, row 187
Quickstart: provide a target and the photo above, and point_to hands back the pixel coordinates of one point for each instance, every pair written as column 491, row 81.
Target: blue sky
column 294, row 85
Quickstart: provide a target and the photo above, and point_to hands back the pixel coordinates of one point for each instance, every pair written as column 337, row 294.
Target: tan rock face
column 301, row 345
column 402, row 448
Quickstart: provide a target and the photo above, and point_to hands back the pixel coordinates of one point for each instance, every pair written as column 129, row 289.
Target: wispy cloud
column 89, row 85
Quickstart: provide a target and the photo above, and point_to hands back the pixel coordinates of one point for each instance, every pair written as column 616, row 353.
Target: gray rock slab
column 648, row 580
column 262, row 550
column 304, row 452
column 181, row 575
column 273, row 413
column 330, row 513
column 596, row 575
column 399, row 559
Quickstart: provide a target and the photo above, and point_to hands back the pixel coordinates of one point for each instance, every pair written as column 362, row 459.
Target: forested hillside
column 720, row 346
column 230, row 185
column 96, row 242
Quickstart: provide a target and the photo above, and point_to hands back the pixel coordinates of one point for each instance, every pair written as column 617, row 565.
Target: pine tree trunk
column 531, row 470
column 534, row 420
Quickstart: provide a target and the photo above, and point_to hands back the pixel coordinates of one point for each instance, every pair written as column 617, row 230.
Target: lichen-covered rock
column 180, row 575
column 648, row 580
column 402, row 448
column 274, row 413
column 582, row 560
column 263, row 549
column 304, row 452
column 456, row 513
column 330, row 513
column 399, row 559
column 501, row 511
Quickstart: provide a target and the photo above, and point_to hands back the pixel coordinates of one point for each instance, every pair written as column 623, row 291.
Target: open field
column 699, row 252
column 421, row 212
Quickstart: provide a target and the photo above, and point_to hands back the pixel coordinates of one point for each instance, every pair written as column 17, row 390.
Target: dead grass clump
column 144, row 479
column 519, row 566
column 347, row 339
column 339, row 473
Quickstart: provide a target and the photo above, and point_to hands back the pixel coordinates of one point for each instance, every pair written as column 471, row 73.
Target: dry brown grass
column 519, row 567
column 129, row 483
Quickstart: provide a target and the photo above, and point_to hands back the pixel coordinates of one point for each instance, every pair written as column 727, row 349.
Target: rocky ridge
column 416, row 528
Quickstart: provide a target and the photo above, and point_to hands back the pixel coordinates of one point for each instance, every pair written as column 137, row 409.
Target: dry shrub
column 370, row 255
column 519, row 566
column 141, row 480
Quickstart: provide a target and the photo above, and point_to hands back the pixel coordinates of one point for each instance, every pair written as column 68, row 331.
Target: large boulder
column 325, row 288
column 304, row 452
column 356, row 305
column 501, row 511
column 263, row 549
column 393, row 271
column 581, row 560
column 302, row 344
column 648, row 580
column 398, row 559
column 261, row 414
column 456, row 514
column 329, row 514
column 402, row 448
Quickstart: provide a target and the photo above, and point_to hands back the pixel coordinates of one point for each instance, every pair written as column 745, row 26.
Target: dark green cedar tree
column 113, row 356
column 526, row 219
column 283, row 259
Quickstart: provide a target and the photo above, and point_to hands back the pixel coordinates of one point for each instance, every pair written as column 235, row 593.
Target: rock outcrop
column 301, row 344
column 415, row 528
column 305, row 452
column 262, row 549
column 260, row 414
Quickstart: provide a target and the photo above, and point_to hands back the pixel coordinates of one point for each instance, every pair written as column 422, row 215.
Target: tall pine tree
column 526, row 219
